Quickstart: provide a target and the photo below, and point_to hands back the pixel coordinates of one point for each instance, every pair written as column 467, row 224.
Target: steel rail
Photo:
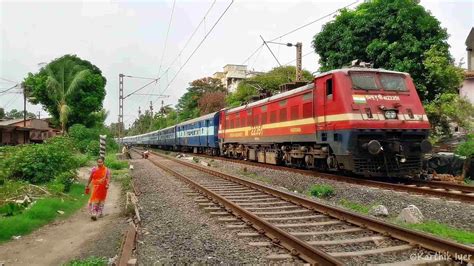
column 293, row 244
column 415, row 238
column 465, row 197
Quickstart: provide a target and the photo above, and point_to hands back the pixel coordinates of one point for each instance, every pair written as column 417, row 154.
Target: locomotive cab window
column 392, row 82
column 364, row 81
column 329, row 89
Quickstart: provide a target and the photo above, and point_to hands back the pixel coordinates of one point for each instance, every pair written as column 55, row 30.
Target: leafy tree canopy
column 15, row 114
column 84, row 103
column 392, row 34
column 447, row 108
column 188, row 104
column 267, row 82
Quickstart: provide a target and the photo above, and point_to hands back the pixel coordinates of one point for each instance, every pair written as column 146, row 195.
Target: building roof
column 12, row 121
column 469, row 74
column 470, row 39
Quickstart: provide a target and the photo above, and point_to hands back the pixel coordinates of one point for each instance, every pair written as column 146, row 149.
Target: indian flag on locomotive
column 359, row 99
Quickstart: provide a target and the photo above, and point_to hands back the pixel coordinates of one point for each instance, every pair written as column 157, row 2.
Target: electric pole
column 120, row 122
column 299, row 48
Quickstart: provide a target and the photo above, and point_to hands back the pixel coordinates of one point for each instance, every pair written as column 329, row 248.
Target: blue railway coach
column 199, row 134
column 166, row 138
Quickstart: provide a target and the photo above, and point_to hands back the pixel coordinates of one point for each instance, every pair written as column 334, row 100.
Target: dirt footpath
column 63, row 240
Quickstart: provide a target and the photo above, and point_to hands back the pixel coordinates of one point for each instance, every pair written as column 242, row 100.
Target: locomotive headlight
column 390, row 114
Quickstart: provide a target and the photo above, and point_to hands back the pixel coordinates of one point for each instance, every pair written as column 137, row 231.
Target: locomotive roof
column 359, row 69
column 311, row 86
column 274, row 97
column 204, row 117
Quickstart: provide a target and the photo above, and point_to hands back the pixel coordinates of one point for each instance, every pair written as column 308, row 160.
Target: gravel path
column 455, row 214
column 176, row 231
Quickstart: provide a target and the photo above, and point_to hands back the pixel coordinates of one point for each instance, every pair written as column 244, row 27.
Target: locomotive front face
column 390, row 136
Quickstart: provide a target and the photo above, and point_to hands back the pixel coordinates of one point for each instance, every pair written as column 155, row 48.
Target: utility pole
column 120, row 119
column 139, row 112
column 151, row 108
column 39, row 114
column 122, row 99
column 299, row 48
column 24, row 114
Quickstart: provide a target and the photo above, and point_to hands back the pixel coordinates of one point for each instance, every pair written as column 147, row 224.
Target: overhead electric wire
column 264, row 42
column 166, row 39
column 254, row 52
column 9, row 80
column 308, row 53
column 199, row 45
column 314, row 21
column 298, row 28
column 11, row 88
column 188, row 40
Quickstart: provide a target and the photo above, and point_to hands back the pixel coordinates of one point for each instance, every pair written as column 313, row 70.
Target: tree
column 268, row 82
column 211, row 102
column 2, row 113
column 187, row 106
column 392, row 34
column 70, row 89
column 16, row 114
column 466, row 149
column 449, row 108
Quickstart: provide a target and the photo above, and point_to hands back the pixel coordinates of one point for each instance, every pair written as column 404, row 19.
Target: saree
column 100, row 180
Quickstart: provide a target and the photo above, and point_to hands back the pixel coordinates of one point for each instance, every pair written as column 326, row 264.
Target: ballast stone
column 379, row 210
column 411, row 215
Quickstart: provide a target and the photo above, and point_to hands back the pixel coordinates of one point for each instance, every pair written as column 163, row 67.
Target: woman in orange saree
column 100, row 178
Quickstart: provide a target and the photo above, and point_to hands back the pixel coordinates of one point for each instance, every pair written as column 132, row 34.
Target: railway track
column 444, row 190
column 315, row 232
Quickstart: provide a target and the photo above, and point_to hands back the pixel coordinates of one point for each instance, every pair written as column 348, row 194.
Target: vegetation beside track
column 90, row 261
column 444, row 231
column 41, row 212
column 38, row 180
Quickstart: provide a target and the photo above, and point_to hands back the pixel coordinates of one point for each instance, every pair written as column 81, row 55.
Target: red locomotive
column 366, row 121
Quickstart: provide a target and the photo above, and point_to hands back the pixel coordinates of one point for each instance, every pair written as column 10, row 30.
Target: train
column 358, row 120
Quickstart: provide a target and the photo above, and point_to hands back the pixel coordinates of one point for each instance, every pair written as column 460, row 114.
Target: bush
column 40, row 163
column 112, row 162
column 93, row 148
column 83, row 137
column 66, row 179
column 322, row 191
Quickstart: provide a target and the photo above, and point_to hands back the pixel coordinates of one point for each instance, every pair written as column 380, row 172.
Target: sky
column 130, row 37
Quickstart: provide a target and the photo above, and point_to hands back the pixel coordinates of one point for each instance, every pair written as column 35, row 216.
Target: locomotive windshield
column 364, row 81
column 392, row 82
column 374, row 81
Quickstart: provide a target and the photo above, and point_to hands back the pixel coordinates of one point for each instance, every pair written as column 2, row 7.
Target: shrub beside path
column 62, row 240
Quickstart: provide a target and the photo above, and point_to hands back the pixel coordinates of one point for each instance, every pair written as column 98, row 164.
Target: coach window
column 237, row 122
column 329, row 89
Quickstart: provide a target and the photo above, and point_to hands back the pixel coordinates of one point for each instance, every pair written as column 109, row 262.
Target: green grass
column 355, row 206
column 90, row 261
column 444, row 231
column 113, row 163
column 42, row 212
column 123, row 177
column 321, row 191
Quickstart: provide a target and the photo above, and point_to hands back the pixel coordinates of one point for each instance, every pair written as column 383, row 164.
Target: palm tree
column 64, row 78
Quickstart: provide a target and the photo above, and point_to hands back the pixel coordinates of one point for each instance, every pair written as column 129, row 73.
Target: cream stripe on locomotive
column 329, row 118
